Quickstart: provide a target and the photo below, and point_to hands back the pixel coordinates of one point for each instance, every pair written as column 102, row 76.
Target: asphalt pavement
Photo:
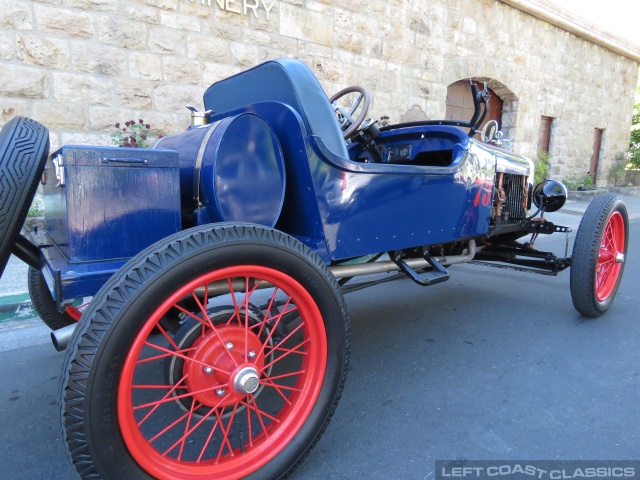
column 492, row 364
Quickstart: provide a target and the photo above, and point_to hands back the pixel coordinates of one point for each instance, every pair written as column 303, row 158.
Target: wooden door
column 595, row 156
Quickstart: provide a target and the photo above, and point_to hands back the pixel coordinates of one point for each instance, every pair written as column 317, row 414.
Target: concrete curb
column 11, row 303
column 587, row 195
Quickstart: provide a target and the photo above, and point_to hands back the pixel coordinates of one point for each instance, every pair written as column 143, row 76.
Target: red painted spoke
column 279, row 392
column 225, row 433
column 195, row 317
column 207, row 442
column 286, row 375
column 178, row 397
column 203, row 309
column 235, row 302
column 258, row 411
column 155, row 387
column 288, row 351
column 249, row 429
column 249, row 406
column 167, row 428
column 184, row 357
column 246, row 316
column 269, row 383
column 193, row 429
column 167, row 395
column 186, row 428
column 165, row 355
column 166, row 335
column 275, row 326
column 264, row 322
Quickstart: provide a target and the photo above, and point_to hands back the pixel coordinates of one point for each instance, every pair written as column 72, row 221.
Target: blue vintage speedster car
column 216, row 342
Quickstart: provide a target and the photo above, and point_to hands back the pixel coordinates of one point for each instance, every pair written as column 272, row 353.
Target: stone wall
column 79, row 66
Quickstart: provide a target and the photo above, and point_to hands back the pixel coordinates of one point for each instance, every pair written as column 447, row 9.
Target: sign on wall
column 242, row 7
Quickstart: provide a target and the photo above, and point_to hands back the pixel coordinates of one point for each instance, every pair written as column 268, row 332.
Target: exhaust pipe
column 60, row 338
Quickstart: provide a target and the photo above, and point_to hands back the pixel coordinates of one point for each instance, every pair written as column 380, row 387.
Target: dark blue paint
column 114, row 202
column 273, row 155
column 242, row 174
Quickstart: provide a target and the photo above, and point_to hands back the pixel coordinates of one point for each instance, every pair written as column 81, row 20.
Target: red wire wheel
column 228, row 431
column 610, row 257
column 599, row 255
column 219, row 352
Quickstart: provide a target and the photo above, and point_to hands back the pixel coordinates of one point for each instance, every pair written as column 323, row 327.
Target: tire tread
column 121, row 286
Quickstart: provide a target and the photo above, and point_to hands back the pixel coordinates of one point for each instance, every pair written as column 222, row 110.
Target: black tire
column 98, row 377
column 44, row 303
column 24, row 147
column 599, row 255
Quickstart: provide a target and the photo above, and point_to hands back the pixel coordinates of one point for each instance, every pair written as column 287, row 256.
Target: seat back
column 283, row 80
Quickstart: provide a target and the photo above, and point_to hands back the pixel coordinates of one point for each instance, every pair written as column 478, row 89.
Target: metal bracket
column 58, row 166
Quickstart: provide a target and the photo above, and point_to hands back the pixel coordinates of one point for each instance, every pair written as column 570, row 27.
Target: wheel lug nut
column 207, row 370
column 220, row 392
column 229, row 345
column 251, row 354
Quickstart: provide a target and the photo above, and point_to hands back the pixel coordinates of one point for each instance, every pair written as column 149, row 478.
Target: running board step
column 437, row 274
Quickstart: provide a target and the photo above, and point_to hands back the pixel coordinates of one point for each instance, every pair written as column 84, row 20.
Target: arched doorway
column 460, row 103
column 502, row 105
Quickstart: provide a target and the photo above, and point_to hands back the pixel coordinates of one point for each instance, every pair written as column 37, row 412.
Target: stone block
column 305, row 25
column 7, row 50
column 245, row 55
column 201, row 47
column 162, row 4
column 329, row 70
column 43, row 51
column 350, row 41
column 255, row 37
column 16, row 15
column 105, row 119
column 181, row 70
column 134, row 94
column 96, row 58
column 93, row 5
column 173, row 98
column 25, row 82
column 214, row 72
column 60, row 115
column 179, row 22
column 93, row 139
column 145, row 65
column 170, row 123
column 140, row 12
column 123, row 33
column 164, row 40
column 12, row 107
column 71, row 87
column 64, row 22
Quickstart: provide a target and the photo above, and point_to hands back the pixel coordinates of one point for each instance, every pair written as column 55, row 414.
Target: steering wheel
column 348, row 125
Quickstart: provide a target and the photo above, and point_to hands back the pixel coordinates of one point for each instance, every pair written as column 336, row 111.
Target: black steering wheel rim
column 364, row 94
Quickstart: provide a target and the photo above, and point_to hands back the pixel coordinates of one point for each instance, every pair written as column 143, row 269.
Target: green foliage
column 634, row 144
column 542, row 167
column 132, row 135
column 618, row 173
column 37, row 208
column 578, row 182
